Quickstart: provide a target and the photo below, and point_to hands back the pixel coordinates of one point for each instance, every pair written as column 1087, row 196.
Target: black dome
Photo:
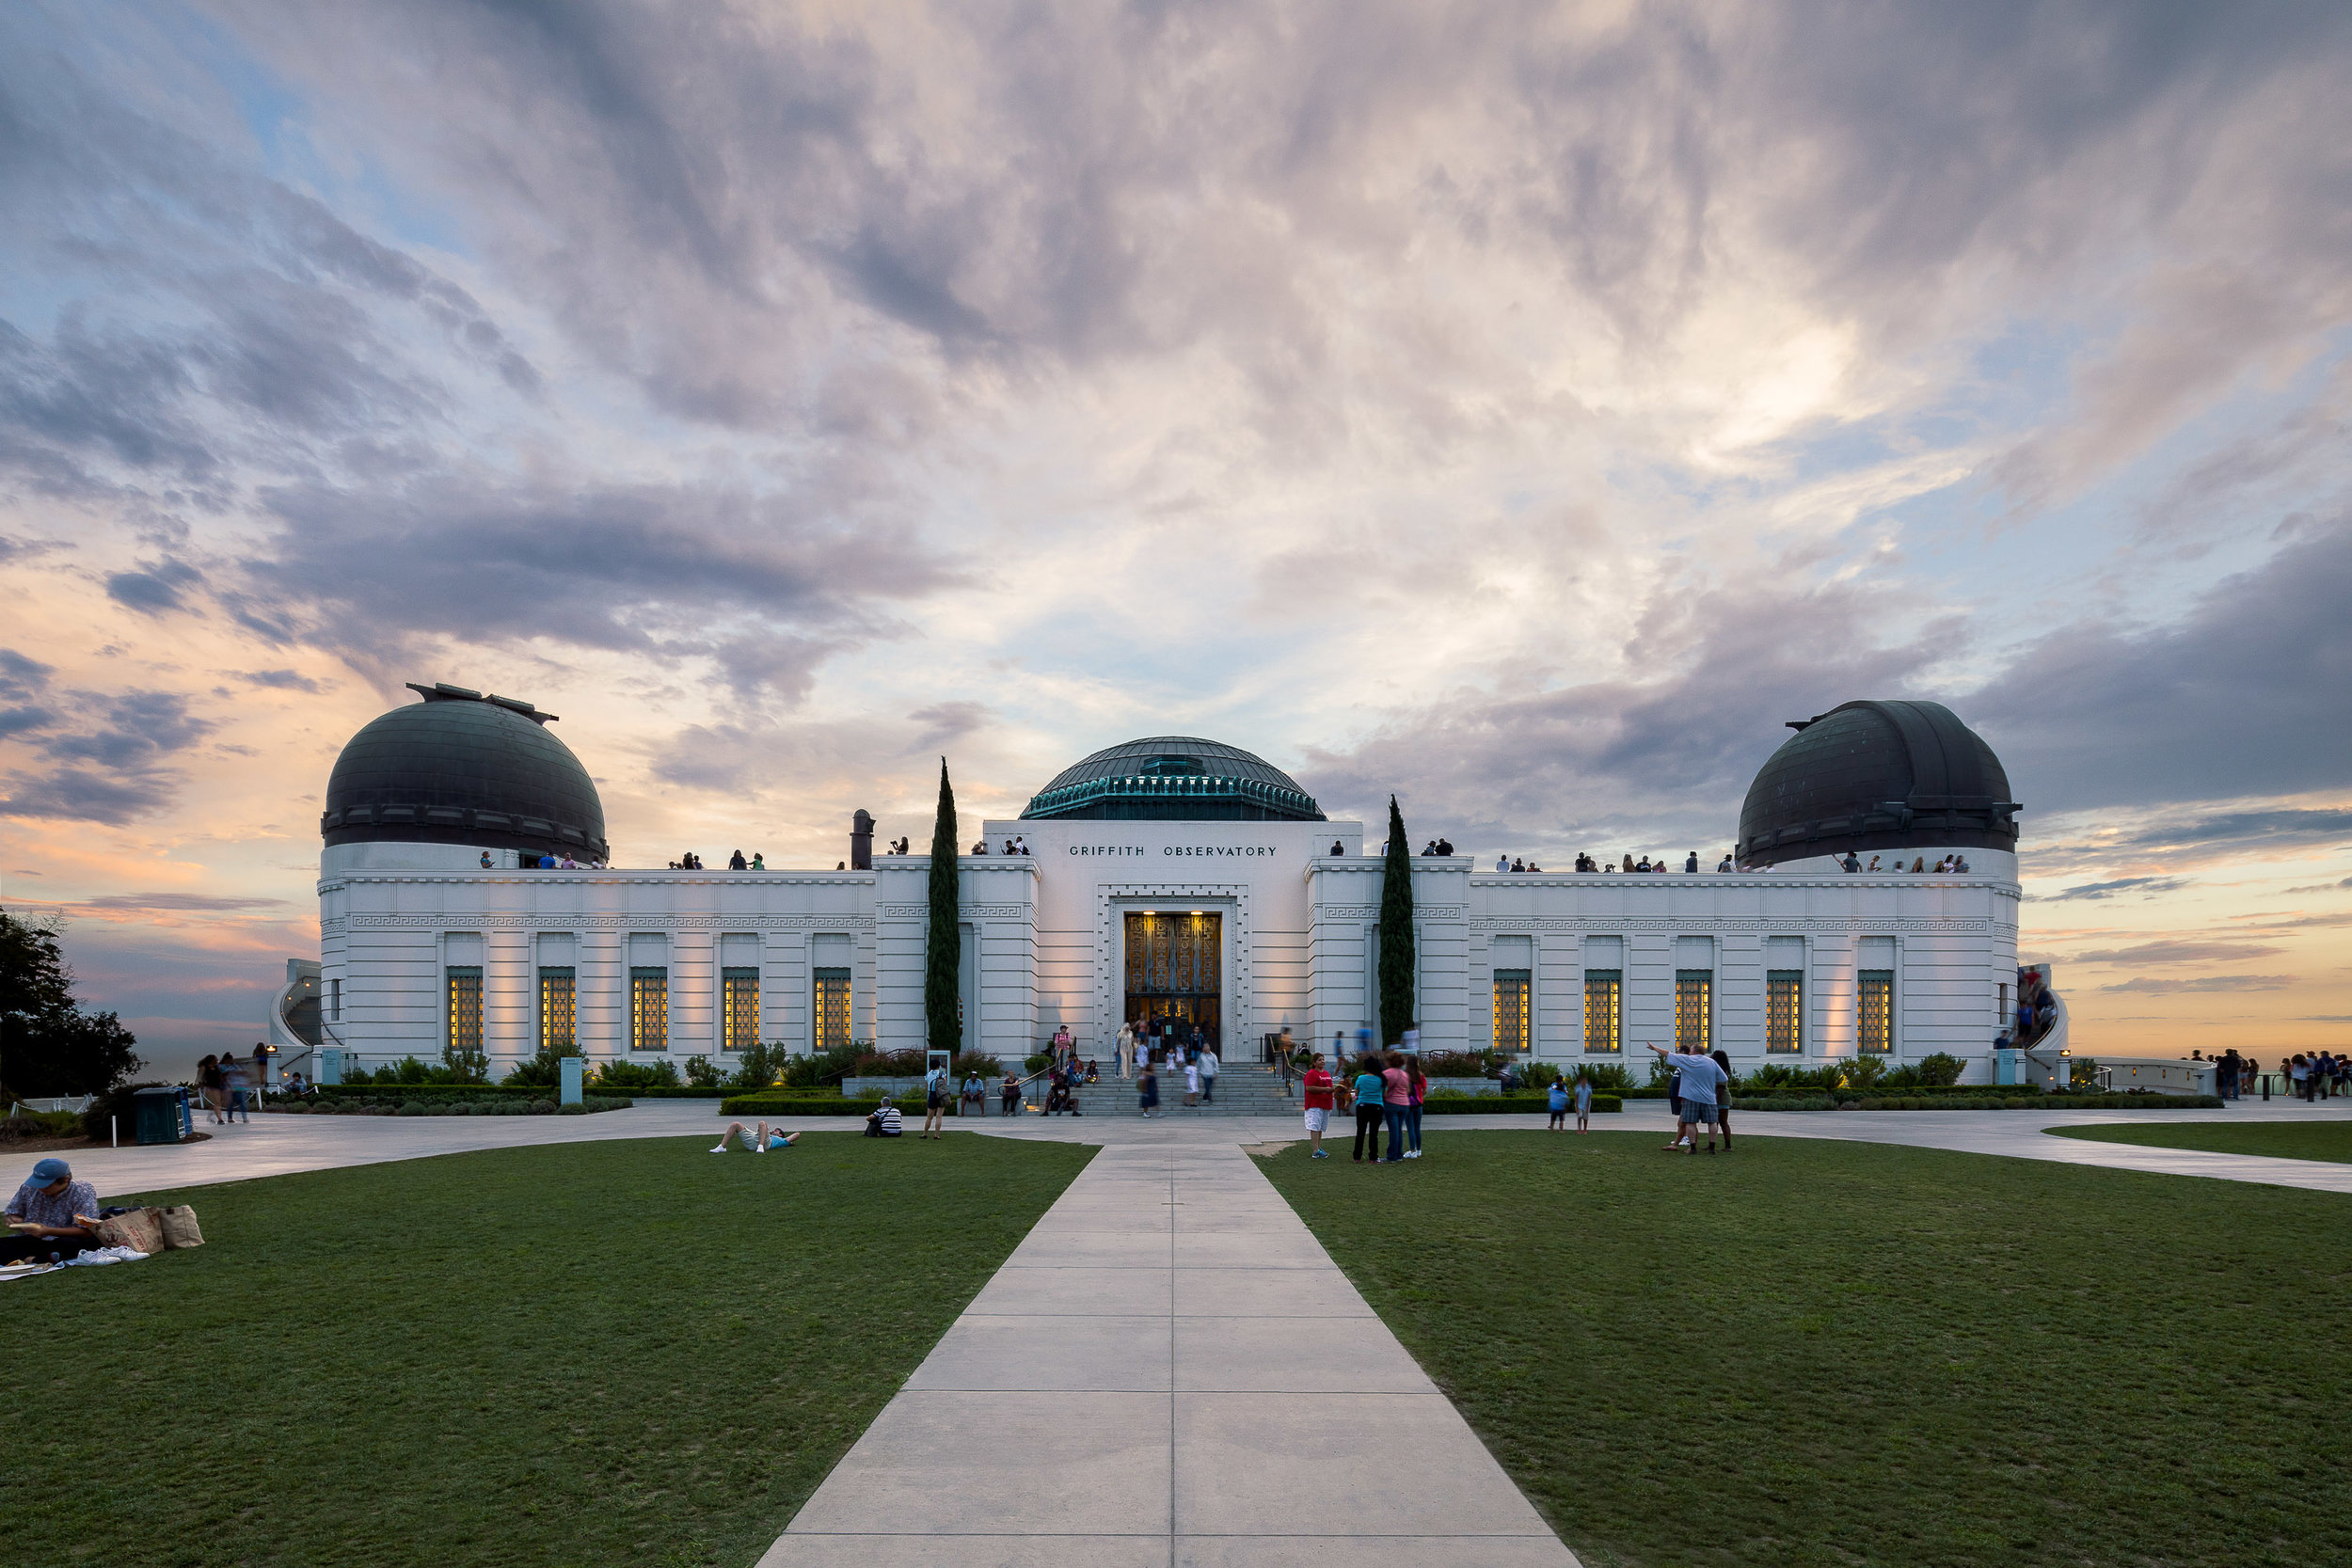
column 460, row 768
column 1869, row 776
column 1174, row 778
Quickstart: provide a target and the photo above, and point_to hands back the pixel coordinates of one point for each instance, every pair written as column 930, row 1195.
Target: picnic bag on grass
column 179, row 1222
column 133, row 1228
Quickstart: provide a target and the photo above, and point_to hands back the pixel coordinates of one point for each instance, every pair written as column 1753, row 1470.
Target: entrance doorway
column 1175, row 971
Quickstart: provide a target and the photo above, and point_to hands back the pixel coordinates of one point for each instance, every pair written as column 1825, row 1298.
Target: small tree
column 48, row 1044
column 1397, row 961
column 942, row 957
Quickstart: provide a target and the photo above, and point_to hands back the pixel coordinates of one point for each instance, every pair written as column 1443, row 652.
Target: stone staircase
column 1247, row 1090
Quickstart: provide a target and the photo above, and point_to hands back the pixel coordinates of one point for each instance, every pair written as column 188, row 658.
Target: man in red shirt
column 1318, row 1083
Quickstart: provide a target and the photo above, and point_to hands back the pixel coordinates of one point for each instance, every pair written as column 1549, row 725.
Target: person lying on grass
column 1700, row 1078
column 759, row 1142
column 51, row 1213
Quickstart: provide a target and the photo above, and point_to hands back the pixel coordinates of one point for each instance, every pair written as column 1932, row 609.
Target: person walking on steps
column 1148, row 1091
column 1210, row 1066
column 1126, row 1051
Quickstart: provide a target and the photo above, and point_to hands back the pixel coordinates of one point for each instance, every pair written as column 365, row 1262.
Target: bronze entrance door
column 1175, row 969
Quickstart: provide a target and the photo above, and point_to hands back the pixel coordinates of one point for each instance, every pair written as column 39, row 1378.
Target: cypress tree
column 1396, row 933
column 942, row 957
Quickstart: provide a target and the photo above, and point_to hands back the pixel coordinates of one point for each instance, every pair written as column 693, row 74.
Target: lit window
column 739, row 1008
column 649, row 1010
column 1694, row 1012
column 1604, row 999
column 1784, row 1010
column 465, row 1006
column 833, row 1008
column 1876, row 1010
column 1513, row 1027
column 559, row 1009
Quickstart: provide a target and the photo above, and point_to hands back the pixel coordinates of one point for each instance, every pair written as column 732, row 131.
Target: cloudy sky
column 1522, row 408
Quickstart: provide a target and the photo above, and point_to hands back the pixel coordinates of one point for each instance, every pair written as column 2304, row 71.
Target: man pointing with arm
column 1701, row 1081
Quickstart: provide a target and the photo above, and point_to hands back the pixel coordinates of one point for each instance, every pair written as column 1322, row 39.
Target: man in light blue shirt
column 1701, row 1081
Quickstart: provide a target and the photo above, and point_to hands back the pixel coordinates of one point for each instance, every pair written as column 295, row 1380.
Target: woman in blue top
column 1371, row 1105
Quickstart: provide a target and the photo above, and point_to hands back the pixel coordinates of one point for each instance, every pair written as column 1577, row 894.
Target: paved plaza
column 277, row 1145
column 1169, row 1369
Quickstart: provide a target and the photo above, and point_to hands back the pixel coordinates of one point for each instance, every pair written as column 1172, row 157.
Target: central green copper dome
column 1174, row 778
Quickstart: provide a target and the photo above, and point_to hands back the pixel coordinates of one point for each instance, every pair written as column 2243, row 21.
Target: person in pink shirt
column 1396, row 1096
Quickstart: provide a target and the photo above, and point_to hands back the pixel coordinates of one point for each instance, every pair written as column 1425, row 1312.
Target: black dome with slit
column 1876, row 776
column 1174, row 778
column 460, row 768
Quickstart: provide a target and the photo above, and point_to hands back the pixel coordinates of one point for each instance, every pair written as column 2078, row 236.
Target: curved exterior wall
column 1042, row 936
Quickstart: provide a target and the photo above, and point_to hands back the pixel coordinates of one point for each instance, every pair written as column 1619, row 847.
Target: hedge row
column 1916, row 1091
column 1480, row 1104
column 495, row 1091
column 396, row 1105
column 1981, row 1100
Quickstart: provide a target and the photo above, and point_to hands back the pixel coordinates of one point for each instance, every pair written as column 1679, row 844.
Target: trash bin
column 155, row 1116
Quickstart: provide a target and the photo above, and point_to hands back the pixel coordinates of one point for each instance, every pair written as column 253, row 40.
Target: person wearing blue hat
column 52, row 1214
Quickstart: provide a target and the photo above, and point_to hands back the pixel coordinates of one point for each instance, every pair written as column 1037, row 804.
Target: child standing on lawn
column 1559, row 1104
column 1583, row 1103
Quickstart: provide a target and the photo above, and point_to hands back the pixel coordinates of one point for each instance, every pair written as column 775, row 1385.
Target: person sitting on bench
column 50, row 1213
column 759, row 1142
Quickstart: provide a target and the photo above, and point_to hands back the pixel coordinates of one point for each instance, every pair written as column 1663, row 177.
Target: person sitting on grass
column 759, row 1142
column 1700, row 1076
column 885, row 1122
column 50, row 1213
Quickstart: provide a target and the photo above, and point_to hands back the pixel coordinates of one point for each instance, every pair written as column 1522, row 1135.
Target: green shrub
column 763, row 1065
column 1604, row 1075
column 543, row 1107
column 1864, row 1071
column 823, row 1071
column 637, row 1075
column 700, row 1073
column 1458, row 1064
column 909, row 1063
column 415, row 1108
column 1940, row 1069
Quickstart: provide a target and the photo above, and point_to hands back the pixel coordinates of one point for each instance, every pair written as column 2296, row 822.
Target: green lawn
column 1814, row 1352
column 2286, row 1140
column 599, row 1353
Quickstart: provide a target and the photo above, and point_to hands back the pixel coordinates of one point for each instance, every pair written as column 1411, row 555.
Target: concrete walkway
column 1169, row 1370
column 2025, row 1135
column 276, row 1144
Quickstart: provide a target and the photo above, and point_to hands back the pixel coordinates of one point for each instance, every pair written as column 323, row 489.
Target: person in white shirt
column 1208, row 1073
column 1701, row 1081
column 1126, row 1051
column 1192, row 1082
